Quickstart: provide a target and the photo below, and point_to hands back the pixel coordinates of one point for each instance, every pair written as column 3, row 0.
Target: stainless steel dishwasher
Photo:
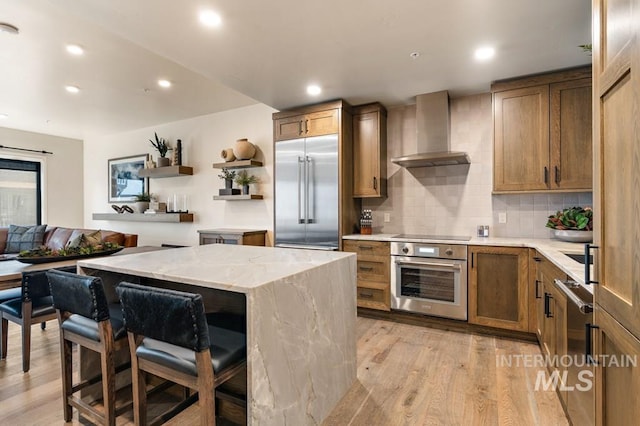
column 581, row 371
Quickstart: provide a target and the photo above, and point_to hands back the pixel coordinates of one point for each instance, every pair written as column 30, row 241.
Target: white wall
column 203, row 138
column 455, row 199
column 62, row 172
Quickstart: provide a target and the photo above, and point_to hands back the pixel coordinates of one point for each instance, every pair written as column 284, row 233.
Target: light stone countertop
column 220, row 266
column 551, row 249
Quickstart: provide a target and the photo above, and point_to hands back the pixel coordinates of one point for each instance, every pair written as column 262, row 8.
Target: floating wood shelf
column 241, row 197
column 238, row 164
column 164, row 172
column 141, row 217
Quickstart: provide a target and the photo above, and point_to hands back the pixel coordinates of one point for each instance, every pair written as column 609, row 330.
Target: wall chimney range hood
column 433, row 125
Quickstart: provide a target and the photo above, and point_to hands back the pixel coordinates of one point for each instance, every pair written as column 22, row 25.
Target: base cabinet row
column 373, row 273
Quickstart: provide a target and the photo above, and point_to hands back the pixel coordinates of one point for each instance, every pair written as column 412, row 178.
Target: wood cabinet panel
column 373, row 271
column 369, row 151
column 617, row 387
column 521, row 139
column 542, row 133
column 229, row 236
column 571, row 152
column 288, row 128
column 498, row 287
column 305, row 125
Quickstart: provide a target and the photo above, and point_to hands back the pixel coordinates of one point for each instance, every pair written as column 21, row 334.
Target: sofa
column 56, row 237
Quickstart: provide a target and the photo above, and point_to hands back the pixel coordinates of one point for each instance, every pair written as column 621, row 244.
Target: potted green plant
column 162, row 147
column 574, row 224
column 142, row 202
column 244, row 179
column 228, row 176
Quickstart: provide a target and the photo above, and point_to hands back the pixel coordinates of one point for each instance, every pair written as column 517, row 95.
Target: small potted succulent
column 574, row 224
column 244, row 179
column 142, row 202
column 162, row 147
column 228, row 176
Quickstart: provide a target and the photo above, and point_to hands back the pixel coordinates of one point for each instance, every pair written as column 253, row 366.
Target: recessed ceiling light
column 4, row 116
column 164, row 83
column 72, row 89
column 74, row 49
column 210, row 18
column 314, row 89
column 484, row 53
column 8, row 28
column 414, row 55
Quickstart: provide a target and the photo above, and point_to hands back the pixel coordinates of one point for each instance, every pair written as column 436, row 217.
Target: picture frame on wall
column 124, row 181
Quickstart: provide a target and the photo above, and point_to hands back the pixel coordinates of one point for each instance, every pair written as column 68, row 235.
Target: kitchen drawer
column 374, row 298
column 367, row 248
column 373, row 270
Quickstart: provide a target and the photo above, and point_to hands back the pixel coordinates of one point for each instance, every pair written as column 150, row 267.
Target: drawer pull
column 365, row 295
column 366, row 247
column 366, row 268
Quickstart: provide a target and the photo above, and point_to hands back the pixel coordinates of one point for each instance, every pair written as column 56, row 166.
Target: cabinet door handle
column 306, row 126
column 366, row 247
column 537, row 286
column 375, row 183
column 366, row 268
column 472, row 260
column 587, row 269
column 588, row 344
column 365, row 295
column 537, row 259
column 547, row 305
column 300, row 127
column 546, row 175
column 557, row 174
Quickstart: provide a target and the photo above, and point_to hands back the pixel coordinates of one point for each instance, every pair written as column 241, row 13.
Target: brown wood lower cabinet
column 617, row 380
column 245, row 237
column 374, row 259
column 498, row 287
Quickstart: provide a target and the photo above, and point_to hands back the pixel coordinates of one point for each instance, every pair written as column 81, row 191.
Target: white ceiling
column 264, row 51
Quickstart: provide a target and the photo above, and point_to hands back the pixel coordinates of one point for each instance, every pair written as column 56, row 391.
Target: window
column 20, row 192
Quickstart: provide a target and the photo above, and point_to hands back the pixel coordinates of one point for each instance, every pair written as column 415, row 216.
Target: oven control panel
column 442, row 251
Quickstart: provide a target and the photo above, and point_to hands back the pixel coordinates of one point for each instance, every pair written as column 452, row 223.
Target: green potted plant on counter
column 574, row 224
column 244, row 179
column 162, row 147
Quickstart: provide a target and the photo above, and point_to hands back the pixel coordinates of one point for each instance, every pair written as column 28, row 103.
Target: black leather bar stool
column 87, row 319
column 170, row 338
column 33, row 305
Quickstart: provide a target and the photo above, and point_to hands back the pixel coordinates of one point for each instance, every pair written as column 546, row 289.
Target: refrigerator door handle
column 300, row 162
column 308, row 206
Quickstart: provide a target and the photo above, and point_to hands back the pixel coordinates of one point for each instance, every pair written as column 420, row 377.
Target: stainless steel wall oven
column 429, row 278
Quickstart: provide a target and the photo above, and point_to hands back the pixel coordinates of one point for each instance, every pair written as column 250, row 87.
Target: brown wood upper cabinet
column 498, row 287
column 369, row 151
column 304, row 125
column 542, row 133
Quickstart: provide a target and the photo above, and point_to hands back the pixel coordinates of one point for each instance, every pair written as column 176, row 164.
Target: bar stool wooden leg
column 206, row 390
column 3, row 344
column 108, row 374
column 138, row 386
column 26, row 335
column 67, row 372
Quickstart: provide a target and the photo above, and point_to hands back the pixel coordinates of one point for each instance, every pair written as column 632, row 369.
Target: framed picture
column 124, row 182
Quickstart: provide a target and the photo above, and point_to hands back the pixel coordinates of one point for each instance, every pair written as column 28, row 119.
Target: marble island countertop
column 551, row 249
column 221, row 266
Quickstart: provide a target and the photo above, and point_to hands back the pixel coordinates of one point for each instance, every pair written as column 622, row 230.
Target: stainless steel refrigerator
column 306, row 193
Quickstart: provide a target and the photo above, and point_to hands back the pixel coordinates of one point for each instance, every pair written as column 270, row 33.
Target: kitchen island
column 300, row 315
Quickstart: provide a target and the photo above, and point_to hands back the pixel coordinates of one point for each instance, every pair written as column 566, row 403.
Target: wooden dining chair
column 32, row 306
column 169, row 337
column 87, row 319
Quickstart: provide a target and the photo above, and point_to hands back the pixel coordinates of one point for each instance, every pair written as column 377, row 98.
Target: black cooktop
column 433, row 237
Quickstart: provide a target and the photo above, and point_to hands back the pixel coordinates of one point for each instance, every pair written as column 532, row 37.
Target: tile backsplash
column 454, row 200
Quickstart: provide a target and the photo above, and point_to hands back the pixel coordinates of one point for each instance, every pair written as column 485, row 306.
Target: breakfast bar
column 300, row 315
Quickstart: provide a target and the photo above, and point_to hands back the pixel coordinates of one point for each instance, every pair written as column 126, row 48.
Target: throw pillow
column 86, row 240
column 21, row 238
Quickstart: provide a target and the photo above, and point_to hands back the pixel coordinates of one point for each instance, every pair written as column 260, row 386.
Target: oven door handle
column 429, row 264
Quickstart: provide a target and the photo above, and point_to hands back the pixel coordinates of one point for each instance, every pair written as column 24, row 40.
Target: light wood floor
column 407, row 375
